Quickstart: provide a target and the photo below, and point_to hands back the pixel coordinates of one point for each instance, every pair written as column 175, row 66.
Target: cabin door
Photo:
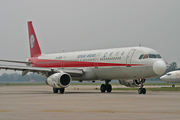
column 96, row 60
column 129, row 57
column 63, row 62
column 178, row 74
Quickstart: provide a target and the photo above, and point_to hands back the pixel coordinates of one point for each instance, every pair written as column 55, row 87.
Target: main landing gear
column 61, row 90
column 106, row 87
column 142, row 90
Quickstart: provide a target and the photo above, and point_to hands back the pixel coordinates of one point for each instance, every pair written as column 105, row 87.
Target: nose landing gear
column 142, row 90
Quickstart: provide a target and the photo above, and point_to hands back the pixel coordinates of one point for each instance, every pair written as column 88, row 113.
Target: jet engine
column 59, row 80
column 130, row 83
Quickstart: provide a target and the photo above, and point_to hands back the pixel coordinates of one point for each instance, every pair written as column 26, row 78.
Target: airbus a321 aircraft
column 130, row 65
column 171, row 77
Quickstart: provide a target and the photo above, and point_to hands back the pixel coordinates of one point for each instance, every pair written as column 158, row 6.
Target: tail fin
column 33, row 42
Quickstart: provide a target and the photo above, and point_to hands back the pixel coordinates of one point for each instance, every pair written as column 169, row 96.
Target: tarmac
column 82, row 102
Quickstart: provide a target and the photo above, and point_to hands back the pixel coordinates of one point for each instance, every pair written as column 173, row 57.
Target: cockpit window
column 152, row 56
column 145, row 56
column 159, row 56
column 168, row 74
column 141, row 56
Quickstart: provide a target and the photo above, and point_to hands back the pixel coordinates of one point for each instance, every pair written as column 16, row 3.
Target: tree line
column 16, row 77
column 170, row 67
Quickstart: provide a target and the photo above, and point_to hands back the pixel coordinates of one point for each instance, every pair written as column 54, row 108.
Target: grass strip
column 146, row 84
column 22, row 84
column 156, row 84
column 151, row 89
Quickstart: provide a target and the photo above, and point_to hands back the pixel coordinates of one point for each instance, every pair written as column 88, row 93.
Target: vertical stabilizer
column 33, row 42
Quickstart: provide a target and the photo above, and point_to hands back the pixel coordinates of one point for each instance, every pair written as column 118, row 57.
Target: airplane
column 172, row 77
column 130, row 65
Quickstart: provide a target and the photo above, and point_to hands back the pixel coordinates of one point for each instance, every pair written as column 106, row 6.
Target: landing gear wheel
column 140, row 90
column 109, row 88
column 103, row 88
column 143, row 90
column 173, row 85
column 55, row 90
column 61, row 90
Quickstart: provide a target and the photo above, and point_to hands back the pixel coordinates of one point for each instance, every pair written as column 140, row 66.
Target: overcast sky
column 76, row 25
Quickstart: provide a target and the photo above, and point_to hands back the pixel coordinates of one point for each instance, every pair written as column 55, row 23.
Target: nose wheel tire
column 139, row 91
column 142, row 91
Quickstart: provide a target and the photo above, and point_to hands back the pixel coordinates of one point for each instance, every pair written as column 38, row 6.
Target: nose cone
column 163, row 77
column 159, row 67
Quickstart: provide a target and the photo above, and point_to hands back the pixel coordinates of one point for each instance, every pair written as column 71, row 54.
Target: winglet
column 33, row 42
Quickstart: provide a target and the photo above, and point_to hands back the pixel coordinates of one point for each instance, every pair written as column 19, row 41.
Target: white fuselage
column 119, row 63
column 172, row 77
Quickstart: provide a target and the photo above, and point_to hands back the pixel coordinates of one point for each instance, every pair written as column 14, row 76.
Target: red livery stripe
column 35, row 62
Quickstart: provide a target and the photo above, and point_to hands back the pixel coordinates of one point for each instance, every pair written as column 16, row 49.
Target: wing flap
column 26, row 69
column 17, row 61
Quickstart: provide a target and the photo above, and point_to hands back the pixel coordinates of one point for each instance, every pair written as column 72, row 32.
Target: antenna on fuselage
column 139, row 45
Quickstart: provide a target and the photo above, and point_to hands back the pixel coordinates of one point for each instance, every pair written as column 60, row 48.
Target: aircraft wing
column 41, row 70
column 15, row 61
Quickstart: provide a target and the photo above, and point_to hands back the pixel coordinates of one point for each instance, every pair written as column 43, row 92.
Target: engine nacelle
column 130, row 83
column 59, row 80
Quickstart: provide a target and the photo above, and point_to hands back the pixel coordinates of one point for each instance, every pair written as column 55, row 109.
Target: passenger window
column 141, row 56
column 145, row 56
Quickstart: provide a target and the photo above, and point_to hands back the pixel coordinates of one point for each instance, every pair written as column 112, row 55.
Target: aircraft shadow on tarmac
column 80, row 92
column 71, row 92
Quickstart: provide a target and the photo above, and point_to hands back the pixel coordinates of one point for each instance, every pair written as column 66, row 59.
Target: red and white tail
column 33, row 42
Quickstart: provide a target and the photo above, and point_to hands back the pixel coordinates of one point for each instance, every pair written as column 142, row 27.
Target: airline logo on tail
column 32, row 41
